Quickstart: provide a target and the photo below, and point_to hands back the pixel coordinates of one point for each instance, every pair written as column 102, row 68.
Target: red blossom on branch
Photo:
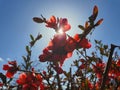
column 58, row 24
column 64, row 25
column 98, row 68
column 57, row 50
column 30, row 81
column 89, row 72
column 51, row 22
column 82, row 43
column 11, row 68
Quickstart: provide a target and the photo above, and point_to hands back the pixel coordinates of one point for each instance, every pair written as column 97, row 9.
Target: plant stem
column 58, row 81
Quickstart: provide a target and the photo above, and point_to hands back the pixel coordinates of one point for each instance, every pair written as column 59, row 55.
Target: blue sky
column 16, row 23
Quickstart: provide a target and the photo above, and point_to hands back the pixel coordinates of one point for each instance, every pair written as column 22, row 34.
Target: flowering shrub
column 89, row 72
column 30, row 81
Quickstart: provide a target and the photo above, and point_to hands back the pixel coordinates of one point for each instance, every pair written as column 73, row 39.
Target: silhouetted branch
column 108, row 66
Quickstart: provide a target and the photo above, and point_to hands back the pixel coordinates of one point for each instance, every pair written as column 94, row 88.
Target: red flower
column 52, row 22
column 84, row 43
column 99, row 68
column 70, row 45
column 30, row 81
column 59, row 40
column 43, row 57
column 59, row 48
column 64, row 25
column 56, row 24
column 11, row 68
column 82, row 66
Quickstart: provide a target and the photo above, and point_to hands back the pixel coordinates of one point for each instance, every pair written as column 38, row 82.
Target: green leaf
column 81, row 27
column 29, row 63
column 28, row 50
column 24, row 58
column 96, row 41
column 32, row 38
column 38, row 20
column 38, row 37
column 23, row 65
column 32, row 43
column 3, row 78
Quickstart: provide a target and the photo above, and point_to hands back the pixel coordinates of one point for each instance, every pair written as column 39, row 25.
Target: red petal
column 76, row 37
column 12, row 63
column 6, row 67
column 88, row 45
column 69, row 54
column 39, row 77
column 26, row 87
column 58, row 70
column 53, row 19
column 42, row 58
column 63, row 21
column 118, row 63
column 9, row 74
column 42, row 87
column 66, row 27
column 22, row 78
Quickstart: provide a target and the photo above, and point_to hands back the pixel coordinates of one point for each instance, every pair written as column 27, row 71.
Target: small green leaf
column 24, row 58
column 38, row 20
column 29, row 64
column 3, row 78
column 96, row 41
column 28, row 50
column 38, row 37
column 32, row 38
column 32, row 43
column 81, row 27
column 23, row 65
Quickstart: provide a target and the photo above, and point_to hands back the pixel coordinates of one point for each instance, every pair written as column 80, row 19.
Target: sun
column 60, row 31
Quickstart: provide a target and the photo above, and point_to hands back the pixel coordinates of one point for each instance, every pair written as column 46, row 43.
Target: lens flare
column 60, row 31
